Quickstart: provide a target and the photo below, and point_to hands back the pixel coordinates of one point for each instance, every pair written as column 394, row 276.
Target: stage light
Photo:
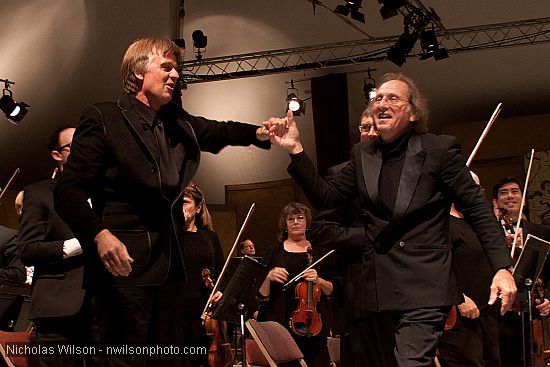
column 352, row 6
column 404, row 45
column 369, row 87
column 430, row 46
column 293, row 101
column 199, row 43
column 389, row 8
column 14, row 111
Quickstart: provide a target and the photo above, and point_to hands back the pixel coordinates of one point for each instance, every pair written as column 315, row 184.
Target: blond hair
column 138, row 58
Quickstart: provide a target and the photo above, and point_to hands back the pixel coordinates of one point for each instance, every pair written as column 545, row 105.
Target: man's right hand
column 288, row 138
column 113, row 254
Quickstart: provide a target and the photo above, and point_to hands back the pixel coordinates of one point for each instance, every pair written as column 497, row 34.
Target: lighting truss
column 457, row 40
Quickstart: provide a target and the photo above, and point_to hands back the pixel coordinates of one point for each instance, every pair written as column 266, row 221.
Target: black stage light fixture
column 430, row 46
column 352, row 6
column 199, row 43
column 14, row 111
column 369, row 87
column 404, row 45
column 293, row 101
column 389, row 8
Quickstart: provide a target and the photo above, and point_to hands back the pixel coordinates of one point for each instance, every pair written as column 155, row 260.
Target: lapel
column 412, row 167
column 371, row 164
column 135, row 123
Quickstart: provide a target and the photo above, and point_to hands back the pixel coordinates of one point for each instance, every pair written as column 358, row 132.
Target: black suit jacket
column 57, row 288
column 11, row 267
column 112, row 163
column 406, row 258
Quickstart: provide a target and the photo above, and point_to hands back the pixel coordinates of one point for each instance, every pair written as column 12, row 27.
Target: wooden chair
column 274, row 342
column 20, row 339
column 333, row 345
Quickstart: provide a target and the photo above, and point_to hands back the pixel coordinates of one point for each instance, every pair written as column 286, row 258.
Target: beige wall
column 501, row 153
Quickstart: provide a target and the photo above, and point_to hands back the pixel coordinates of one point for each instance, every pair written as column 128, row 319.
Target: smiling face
column 158, row 81
column 509, row 197
column 392, row 111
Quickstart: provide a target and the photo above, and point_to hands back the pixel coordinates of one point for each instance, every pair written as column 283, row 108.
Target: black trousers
column 412, row 334
column 148, row 319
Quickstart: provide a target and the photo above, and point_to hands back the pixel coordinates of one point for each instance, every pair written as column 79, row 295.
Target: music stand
column 526, row 271
column 240, row 294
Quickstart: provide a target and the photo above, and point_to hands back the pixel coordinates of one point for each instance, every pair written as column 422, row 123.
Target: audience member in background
column 286, row 259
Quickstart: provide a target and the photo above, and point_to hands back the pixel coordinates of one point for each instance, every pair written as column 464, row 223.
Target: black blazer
column 406, row 259
column 11, row 267
column 57, row 288
column 112, row 163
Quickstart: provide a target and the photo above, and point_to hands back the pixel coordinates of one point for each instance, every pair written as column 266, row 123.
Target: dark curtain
column 331, row 119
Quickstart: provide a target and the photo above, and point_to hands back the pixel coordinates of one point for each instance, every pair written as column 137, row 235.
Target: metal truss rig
column 485, row 37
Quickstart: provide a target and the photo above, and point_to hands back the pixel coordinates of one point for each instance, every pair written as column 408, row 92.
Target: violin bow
column 285, row 286
column 218, row 281
column 9, row 182
column 485, row 132
column 522, row 203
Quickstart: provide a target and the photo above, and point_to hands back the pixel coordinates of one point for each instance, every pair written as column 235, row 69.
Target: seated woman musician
column 297, row 303
column 203, row 258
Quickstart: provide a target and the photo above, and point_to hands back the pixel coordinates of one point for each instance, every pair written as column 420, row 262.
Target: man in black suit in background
column 405, row 181
column 11, row 267
column 60, row 305
column 133, row 157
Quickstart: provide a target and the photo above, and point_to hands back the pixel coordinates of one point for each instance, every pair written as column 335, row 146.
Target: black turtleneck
column 393, row 158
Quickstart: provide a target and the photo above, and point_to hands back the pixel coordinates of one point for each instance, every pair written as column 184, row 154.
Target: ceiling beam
column 457, row 40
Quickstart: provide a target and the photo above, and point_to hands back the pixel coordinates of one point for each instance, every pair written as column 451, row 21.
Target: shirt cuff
column 71, row 248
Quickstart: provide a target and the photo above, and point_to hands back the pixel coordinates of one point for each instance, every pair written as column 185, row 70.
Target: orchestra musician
column 286, row 259
column 61, row 307
column 473, row 339
column 348, row 282
column 507, row 197
column 405, row 180
column 201, row 249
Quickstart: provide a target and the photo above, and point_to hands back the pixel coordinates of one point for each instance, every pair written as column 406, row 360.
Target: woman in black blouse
column 201, row 250
column 286, row 259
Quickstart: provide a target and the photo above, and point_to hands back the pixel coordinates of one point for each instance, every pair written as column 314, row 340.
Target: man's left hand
column 503, row 287
column 544, row 307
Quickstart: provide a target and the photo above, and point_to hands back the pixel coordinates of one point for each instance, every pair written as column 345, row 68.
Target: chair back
column 274, row 342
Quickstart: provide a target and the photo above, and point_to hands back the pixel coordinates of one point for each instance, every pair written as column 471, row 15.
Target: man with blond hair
column 133, row 157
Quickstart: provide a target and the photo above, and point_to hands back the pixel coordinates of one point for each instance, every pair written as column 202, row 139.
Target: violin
column 220, row 353
column 505, row 220
column 541, row 333
column 306, row 321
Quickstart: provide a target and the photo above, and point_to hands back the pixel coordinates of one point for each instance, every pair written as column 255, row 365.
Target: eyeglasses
column 299, row 218
column 61, row 148
column 391, row 100
column 365, row 128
